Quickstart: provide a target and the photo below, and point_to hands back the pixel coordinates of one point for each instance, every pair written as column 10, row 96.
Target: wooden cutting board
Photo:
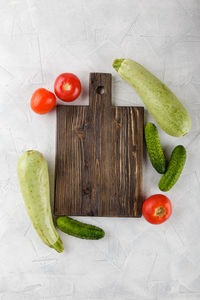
column 99, row 156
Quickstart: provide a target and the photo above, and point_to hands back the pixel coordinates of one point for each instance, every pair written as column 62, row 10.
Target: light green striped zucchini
column 34, row 183
column 163, row 105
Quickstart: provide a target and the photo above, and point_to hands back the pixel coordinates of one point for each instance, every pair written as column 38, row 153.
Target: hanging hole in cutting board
column 100, row 90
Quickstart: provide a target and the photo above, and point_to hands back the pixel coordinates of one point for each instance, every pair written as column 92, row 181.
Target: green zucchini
column 166, row 109
column 174, row 169
column 79, row 229
column 34, row 183
column 154, row 148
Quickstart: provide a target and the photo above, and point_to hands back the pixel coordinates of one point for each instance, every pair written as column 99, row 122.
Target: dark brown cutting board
column 99, row 156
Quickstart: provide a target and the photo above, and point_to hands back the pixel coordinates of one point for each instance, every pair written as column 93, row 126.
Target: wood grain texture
column 99, row 156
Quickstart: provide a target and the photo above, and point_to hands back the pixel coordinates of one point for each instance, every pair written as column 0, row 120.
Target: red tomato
column 42, row 101
column 67, row 87
column 157, row 209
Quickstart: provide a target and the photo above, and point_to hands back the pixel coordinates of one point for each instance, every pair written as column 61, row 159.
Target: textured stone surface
column 135, row 260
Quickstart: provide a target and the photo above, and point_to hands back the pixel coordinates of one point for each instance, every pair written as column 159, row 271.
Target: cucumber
column 79, row 229
column 163, row 105
column 174, row 169
column 154, row 148
column 34, row 183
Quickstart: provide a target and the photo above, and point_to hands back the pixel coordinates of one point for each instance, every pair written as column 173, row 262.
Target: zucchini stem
column 117, row 63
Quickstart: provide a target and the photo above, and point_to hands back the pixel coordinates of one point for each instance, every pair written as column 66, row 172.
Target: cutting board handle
column 100, row 90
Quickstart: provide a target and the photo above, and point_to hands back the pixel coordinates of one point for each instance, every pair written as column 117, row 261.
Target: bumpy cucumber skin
column 163, row 105
column 79, row 229
column 176, row 164
column 154, row 148
column 34, row 184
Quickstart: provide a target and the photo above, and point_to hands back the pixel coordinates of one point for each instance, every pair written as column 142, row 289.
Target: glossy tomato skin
column 157, row 209
column 67, row 87
column 42, row 101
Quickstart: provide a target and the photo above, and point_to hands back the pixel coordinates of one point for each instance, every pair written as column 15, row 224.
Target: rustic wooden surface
column 99, row 156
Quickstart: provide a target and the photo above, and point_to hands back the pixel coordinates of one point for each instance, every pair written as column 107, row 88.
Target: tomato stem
column 160, row 211
column 66, row 87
